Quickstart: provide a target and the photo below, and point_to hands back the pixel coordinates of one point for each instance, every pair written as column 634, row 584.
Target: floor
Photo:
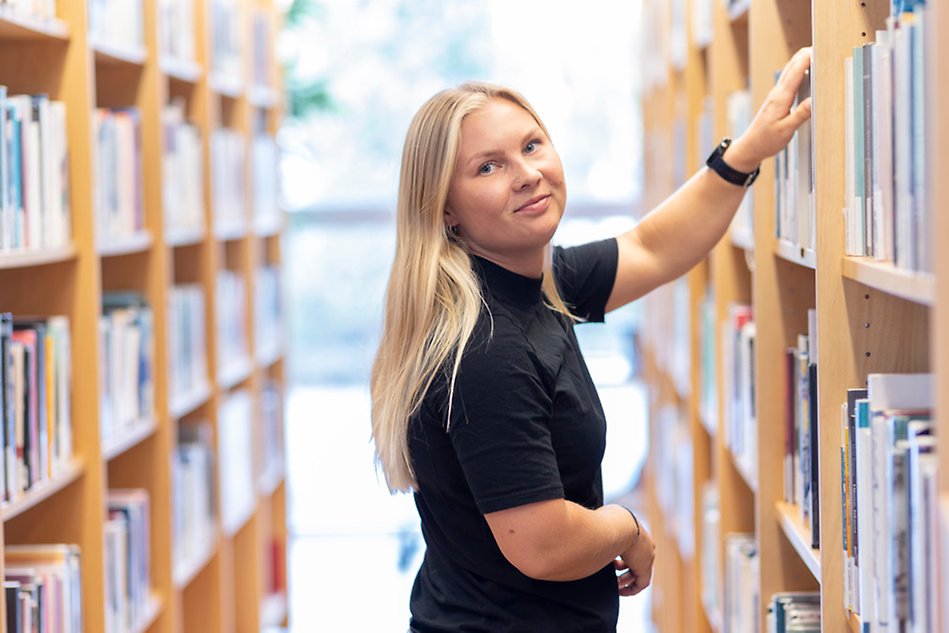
column 354, row 548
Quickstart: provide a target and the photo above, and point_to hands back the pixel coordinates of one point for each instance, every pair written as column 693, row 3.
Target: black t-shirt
column 526, row 426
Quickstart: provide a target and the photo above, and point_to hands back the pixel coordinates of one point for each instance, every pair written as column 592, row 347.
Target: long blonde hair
column 434, row 297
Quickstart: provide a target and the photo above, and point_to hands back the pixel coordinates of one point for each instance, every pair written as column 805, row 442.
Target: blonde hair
column 434, row 296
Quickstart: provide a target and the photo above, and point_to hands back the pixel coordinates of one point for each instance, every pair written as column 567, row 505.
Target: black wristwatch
column 716, row 163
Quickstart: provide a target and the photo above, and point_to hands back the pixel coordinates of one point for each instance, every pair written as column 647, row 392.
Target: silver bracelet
column 638, row 529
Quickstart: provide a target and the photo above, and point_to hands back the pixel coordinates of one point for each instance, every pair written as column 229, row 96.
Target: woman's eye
column 487, row 168
column 531, row 147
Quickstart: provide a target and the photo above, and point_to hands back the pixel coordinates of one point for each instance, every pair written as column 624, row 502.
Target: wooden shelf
column 230, row 231
column 43, row 491
column 270, row 480
column 184, row 403
column 273, row 610
column 230, row 87
column 184, row 237
column 230, row 530
column 262, row 97
column 138, row 242
column 183, row 70
column 742, row 238
column 107, row 54
column 186, row 571
column 738, row 12
column 800, row 536
column 915, row 287
column 142, row 431
column 18, row 28
column 745, row 471
column 234, row 373
column 795, row 254
column 270, row 355
column 152, row 611
column 268, row 227
column 27, row 259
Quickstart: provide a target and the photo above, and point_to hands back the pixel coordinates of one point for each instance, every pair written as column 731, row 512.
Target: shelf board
column 186, row 571
column 184, row 237
column 270, row 480
column 795, row 254
column 883, row 276
column 231, row 529
column 138, row 242
column 738, row 11
column 225, row 86
column 26, row 259
column 262, row 96
column 152, row 611
column 744, row 471
column 273, row 610
column 269, row 226
column 21, row 28
column 800, row 536
column 43, row 490
column 183, row 70
column 184, row 403
column 270, row 355
column 742, row 238
column 142, row 430
column 713, row 617
column 229, row 231
column 234, row 373
column 108, row 54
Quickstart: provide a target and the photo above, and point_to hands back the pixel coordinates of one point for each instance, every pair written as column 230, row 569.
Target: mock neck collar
column 508, row 285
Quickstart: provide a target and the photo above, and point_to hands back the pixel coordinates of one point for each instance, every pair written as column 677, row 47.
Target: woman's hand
column 636, row 565
column 775, row 123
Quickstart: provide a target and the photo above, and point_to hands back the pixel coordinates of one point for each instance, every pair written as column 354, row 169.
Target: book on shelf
column 231, row 318
column 801, row 428
column 42, row 588
column 740, row 112
column 183, row 170
column 270, row 442
column 117, row 23
column 674, row 476
column 741, row 588
column 176, row 23
column 795, row 203
column 262, row 63
column 127, row 559
column 228, row 151
column 192, row 476
column 118, row 169
column 226, row 38
column 37, row 9
column 34, row 180
column 794, row 612
column 702, row 29
column 268, row 308
column 709, row 375
column 186, row 339
column 710, row 554
column 738, row 372
column 888, row 216
column 126, row 330
column 264, row 162
column 35, row 400
column 236, row 460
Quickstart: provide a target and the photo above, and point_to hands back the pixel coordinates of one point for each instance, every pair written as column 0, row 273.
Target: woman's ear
column 451, row 221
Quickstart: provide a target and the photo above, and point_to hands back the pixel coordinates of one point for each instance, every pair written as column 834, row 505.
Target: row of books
column 674, row 472
column 801, row 428
column 262, row 47
column 226, row 38
column 176, row 24
column 795, row 202
column 127, row 560
column 741, row 589
column 228, row 178
column 183, row 167
column 34, row 179
column 887, row 211
column 126, row 330
column 270, row 441
column 264, row 161
column 889, row 502
column 740, row 112
column 39, row 9
column 268, row 308
column 231, row 318
column 794, row 612
column 709, row 373
column 710, row 556
column 738, row 373
column 118, row 168
column 117, row 23
column 187, row 346
column 42, row 588
column 235, row 435
column 192, row 477
column 35, row 383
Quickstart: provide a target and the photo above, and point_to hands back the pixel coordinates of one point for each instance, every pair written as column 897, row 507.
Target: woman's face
column 507, row 193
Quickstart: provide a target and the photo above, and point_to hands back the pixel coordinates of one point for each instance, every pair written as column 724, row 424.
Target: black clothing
column 526, row 426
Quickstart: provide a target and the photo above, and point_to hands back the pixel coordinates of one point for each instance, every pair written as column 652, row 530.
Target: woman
column 482, row 404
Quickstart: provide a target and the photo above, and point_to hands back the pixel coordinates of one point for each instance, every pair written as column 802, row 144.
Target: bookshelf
column 871, row 317
column 237, row 580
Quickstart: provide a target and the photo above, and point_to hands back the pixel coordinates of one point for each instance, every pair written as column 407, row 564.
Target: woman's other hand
column 775, row 123
column 636, row 565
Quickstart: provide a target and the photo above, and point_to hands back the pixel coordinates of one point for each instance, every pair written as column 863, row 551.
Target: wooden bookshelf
column 221, row 588
column 871, row 316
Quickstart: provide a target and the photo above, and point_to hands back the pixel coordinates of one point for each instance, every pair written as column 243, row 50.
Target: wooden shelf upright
column 871, row 317
column 231, row 587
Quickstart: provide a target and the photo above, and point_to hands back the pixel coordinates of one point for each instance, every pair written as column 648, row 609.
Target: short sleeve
column 500, row 424
column 585, row 275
